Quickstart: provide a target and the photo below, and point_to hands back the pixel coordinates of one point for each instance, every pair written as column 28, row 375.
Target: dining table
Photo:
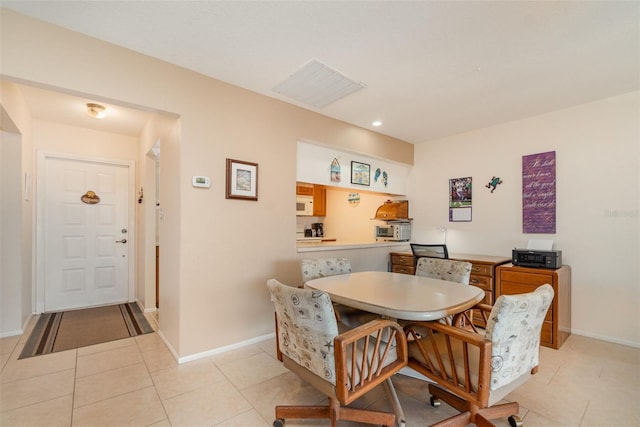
column 398, row 296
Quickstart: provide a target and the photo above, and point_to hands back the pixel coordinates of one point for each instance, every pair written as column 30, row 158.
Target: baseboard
column 213, row 352
column 224, row 349
column 604, row 338
column 11, row 333
column 19, row 331
column 168, row 344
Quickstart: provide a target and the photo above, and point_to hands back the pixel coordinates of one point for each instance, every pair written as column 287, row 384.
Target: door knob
column 121, row 241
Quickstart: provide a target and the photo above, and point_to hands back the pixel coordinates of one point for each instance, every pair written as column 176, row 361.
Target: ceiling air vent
column 318, row 85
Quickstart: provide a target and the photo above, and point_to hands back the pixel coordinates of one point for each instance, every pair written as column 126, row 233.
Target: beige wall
column 165, row 131
column 10, row 215
column 59, row 138
column 16, row 120
column 217, row 255
column 597, row 154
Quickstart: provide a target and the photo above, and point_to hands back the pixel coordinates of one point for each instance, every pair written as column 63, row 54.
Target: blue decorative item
column 335, row 171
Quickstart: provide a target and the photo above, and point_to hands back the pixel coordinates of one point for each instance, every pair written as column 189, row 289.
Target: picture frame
column 242, row 180
column 360, row 173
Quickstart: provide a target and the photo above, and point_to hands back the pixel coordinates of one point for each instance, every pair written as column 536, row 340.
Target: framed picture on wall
column 360, row 173
column 242, row 180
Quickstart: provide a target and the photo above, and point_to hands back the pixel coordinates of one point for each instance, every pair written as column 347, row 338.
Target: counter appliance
column 304, row 205
column 394, row 231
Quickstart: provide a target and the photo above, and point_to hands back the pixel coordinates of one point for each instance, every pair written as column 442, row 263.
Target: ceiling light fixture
column 377, row 123
column 96, row 111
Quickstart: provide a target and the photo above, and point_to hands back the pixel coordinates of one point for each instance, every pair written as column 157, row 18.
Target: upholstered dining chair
column 429, row 250
column 323, row 267
column 472, row 372
column 444, row 269
column 315, row 268
column 342, row 366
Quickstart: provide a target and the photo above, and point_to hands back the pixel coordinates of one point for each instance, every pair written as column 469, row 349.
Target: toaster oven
column 393, row 231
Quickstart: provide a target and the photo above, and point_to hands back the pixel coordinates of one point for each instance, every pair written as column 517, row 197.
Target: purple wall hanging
column 539, row 193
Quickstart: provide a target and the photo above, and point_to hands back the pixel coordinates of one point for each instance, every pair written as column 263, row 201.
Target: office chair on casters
column 342, row 366
column 471, row 371
column 430, row 251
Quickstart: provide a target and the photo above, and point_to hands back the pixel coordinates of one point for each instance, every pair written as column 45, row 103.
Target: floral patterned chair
column 316, row 268
column 472, row 371
column 342, row 366
column 444, row 269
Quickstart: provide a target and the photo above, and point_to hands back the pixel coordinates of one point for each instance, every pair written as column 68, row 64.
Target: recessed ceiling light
column 96, row 110
column 377, row 123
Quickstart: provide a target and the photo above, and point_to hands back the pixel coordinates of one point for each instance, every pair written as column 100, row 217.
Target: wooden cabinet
column 304, row 189
column 402, row 262
column 319, row 200
column 517, row 280
column 483, row 273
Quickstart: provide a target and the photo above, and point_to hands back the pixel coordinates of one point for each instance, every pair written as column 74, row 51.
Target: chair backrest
column 444, row 269
column 315, row 268
column 430, row 251
column 306, row 326
column 514, row 328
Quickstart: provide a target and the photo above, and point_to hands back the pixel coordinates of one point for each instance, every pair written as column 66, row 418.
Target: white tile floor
column 136, row 382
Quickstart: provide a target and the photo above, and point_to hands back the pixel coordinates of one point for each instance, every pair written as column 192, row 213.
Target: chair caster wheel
column 279, row 422
column 435, row 402
column 515, row 421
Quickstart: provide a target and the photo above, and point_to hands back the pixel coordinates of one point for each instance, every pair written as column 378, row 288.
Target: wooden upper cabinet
column 304, row 190
column 319, row 200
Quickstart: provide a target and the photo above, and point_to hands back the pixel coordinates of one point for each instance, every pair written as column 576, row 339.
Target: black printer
column 536, row 258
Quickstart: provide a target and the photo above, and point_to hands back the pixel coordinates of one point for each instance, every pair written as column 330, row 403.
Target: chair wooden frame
column 361, row 358
column 453, row 382
column 357, row 373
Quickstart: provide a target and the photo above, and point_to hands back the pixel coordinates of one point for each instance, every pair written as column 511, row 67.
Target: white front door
column 87, row 240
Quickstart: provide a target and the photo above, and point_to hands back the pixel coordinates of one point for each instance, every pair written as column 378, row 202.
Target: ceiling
column 430, row 68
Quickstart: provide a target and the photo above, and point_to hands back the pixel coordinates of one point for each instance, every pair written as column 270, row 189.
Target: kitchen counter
column 342, row 245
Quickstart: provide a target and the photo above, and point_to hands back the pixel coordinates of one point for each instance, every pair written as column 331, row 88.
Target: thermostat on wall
column 201, row 181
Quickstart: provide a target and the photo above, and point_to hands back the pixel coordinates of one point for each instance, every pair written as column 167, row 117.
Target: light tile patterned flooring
column 136, row 382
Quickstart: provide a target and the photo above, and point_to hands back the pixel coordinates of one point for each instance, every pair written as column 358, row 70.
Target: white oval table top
column 399, row 296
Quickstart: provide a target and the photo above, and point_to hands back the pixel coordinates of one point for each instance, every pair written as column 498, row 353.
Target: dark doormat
column 67, row 330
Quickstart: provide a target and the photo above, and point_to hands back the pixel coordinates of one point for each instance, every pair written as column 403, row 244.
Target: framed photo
column 360, row 173
column 242, row 180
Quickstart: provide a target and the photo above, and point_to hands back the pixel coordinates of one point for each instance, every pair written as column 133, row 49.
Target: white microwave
column 393, row 231
column 304, row 205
